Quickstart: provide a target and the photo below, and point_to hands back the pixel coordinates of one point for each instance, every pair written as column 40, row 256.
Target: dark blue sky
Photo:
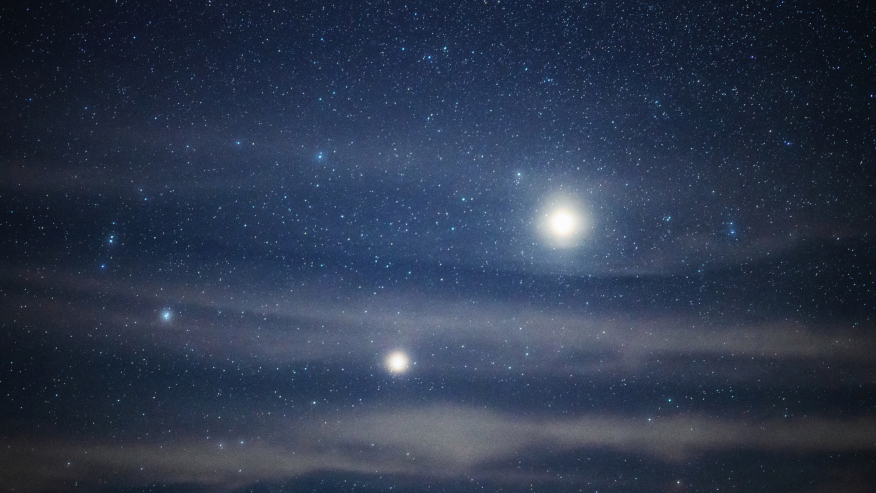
column 217, row 221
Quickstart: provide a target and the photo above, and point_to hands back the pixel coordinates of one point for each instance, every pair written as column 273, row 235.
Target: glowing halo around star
column 563, row 222
column 397, row 362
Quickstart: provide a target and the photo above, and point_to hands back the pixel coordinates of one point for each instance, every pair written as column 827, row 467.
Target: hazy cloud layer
column 431, row 441
column 287, row 325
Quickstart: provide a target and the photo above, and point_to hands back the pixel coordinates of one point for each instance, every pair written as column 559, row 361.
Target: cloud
column 459, row 437
column 432, row 441
column 306, row 323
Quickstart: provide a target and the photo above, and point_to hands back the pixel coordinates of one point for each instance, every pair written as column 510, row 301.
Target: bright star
column 397, row 362
column 165, row 315
column 562, row 222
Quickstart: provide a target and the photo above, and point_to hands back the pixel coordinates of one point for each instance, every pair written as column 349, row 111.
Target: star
column 563, row 223
column 397, row 362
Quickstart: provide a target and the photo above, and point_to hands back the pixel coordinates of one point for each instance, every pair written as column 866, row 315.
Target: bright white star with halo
column 564, row 221
column 397, row 362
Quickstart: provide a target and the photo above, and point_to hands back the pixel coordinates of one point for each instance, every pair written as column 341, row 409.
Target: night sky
column 376, row 246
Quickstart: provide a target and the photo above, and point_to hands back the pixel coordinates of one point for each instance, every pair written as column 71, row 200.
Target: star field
column 437, row 246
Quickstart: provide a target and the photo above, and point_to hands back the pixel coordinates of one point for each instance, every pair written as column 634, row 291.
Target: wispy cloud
column 431, row 441
column 307, row 323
